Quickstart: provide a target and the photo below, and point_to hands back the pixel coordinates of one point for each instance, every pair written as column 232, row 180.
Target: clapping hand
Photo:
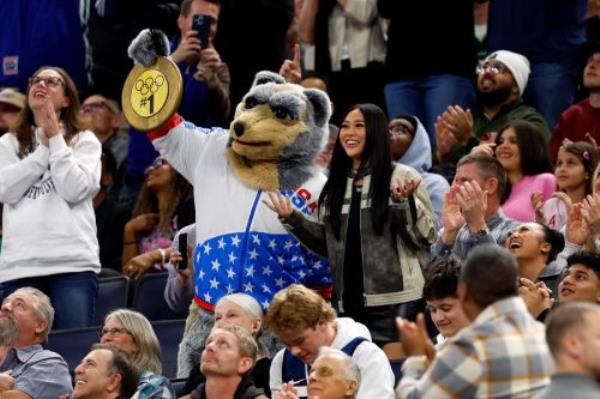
column 537, row 296
column 577, row 230
column 404, row 189
column 414, row 338
column 473, row 204
column 459, row 122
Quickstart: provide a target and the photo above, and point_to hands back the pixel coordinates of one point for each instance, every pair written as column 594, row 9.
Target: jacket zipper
column 244, row 248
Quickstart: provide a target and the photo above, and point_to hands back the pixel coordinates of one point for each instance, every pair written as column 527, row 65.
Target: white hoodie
column 376, row 376
column 49, row 225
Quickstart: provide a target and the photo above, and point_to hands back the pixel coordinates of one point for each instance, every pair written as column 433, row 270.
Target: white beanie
column 517, row 64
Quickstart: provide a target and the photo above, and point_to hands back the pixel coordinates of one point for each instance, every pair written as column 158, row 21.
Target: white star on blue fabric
column 230, row 273
column 235, row 241
column 214, row 283
column 221, row 243
column 207, row 248
column 215, row 265
column 248, row 287
column 250, row 271
column 253, row 254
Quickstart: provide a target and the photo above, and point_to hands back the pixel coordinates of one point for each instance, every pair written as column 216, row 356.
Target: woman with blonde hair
column 131, row 332
column 234, row 309
column 49, row 173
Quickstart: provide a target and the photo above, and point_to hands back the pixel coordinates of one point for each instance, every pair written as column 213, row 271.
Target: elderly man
column 502, row 353
column 572, row 335
column 11, row 103
column 104, row 116
column 333, row 375
column 26, row 315
column 227, row 360
column 105, row 373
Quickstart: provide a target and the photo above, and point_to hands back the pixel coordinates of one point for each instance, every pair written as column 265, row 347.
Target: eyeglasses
column 49, row 81
column 401, row 129
column 93, row 107
column 491, row 68
column 113, row 331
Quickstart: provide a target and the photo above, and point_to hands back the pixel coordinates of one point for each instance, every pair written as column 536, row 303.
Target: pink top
column 518, row 205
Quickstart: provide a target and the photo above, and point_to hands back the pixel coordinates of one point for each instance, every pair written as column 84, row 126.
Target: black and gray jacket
column 392, row 263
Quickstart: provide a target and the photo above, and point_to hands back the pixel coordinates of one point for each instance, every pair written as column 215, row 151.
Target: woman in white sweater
column 49, row 173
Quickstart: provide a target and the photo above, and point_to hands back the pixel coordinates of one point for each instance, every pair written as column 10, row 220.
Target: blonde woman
column 131, row 332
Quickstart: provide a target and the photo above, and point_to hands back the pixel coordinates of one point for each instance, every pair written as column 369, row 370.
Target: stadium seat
column 73, row 344
column 169, row 333
column 112, row 294
column 148, row 298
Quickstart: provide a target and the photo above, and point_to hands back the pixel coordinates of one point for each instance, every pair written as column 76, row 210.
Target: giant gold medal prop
column 152, row 94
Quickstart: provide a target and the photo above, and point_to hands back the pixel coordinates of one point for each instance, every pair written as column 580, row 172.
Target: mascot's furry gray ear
column 264, row 77
column 321, row 106
column 149, row 44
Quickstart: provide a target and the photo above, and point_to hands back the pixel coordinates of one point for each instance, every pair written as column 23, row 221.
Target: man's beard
column 495, row 97
column 9, row 330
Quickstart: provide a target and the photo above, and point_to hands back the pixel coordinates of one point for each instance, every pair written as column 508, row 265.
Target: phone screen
column 201, row 24
column 184, row 251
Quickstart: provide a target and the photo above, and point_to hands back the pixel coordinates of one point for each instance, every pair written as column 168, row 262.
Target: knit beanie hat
column 517, row 64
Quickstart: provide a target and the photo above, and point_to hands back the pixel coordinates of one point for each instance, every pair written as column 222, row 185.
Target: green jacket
column 481, row 125
column 509, row 112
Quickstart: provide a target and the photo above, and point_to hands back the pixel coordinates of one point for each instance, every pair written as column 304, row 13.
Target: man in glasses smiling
column 501, row 80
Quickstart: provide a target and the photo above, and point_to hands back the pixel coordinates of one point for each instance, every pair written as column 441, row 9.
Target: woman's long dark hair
column 375, row 157
column 535, row 158
column 532, row 146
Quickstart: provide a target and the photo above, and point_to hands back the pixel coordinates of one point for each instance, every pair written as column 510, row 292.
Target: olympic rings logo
column 149, row 85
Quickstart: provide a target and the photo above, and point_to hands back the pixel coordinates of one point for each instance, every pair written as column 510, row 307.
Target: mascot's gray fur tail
column 149, row 44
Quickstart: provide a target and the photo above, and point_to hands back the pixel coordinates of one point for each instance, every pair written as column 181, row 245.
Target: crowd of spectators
column 459, row 214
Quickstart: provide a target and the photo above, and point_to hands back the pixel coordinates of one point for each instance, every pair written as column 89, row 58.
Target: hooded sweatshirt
column 418, row 155
column 376, row 376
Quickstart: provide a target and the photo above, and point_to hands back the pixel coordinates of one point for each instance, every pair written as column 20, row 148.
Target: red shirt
column 574, row 123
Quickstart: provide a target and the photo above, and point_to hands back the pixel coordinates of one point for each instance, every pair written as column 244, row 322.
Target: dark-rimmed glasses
column 50, row 81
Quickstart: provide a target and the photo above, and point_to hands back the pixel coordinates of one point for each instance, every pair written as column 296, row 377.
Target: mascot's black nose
column 238, row 128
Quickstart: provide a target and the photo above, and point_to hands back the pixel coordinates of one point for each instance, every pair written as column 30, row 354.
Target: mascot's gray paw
column 149, row 44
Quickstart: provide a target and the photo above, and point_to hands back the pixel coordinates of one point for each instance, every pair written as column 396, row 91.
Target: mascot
column 278, row 130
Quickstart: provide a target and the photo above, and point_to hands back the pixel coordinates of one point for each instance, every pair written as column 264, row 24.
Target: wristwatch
column 479, row 234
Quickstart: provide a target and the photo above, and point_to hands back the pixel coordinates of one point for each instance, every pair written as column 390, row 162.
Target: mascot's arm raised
column 181, row 143
column 185, row 145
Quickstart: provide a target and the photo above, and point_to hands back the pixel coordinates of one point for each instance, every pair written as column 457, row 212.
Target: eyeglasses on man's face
column 493, row 68
column 93, row 107
column 49, row 81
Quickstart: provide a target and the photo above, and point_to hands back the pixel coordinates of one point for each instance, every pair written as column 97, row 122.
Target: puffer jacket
column 392, row 263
